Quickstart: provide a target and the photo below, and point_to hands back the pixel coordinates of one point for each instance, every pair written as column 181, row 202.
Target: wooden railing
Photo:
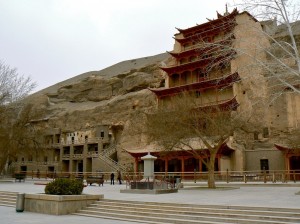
column 78, row 142
column 272, row 176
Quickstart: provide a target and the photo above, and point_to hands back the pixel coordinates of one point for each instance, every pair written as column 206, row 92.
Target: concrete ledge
column 58, row 204
column 149, row 191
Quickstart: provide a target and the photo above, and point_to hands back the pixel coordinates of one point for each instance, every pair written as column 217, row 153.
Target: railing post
column 274, row 179
column 294, row 176
column 227, row 176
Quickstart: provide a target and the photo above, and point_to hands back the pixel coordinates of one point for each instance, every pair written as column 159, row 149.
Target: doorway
column 264, row 165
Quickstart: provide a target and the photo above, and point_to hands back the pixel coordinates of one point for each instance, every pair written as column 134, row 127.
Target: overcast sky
column 53, row 40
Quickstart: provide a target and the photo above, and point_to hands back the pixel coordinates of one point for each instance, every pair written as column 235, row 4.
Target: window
column 102, row 134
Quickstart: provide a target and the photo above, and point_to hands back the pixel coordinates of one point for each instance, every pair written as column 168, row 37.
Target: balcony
column 77, row 156
column 77, row 142
column 27, row 163
column 93, row 154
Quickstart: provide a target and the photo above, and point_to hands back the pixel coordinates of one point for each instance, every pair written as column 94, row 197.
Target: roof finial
column 226, row 12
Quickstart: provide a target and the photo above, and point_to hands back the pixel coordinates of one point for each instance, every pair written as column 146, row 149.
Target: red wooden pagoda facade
column 200, row 64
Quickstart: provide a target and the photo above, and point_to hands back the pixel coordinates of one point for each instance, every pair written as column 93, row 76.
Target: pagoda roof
column 201, row 63
column 225, row 149
column 207, row 84
column 209, row 24
column 205, row 33
column 214, row 22
column 224, row 105
column 201, row 49
column 286, row 149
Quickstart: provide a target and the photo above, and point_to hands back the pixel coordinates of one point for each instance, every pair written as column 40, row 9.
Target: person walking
column 119, row 178
column 112, row 179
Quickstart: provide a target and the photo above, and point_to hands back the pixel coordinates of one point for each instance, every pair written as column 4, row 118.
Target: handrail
column 110, row 150
column 77, row 142
column 115, row 165
column 270, row 176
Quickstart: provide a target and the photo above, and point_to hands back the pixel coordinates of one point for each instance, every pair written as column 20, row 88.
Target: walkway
column 259, row 195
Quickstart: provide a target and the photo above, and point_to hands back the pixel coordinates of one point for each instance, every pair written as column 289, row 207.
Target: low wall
column 58, row 204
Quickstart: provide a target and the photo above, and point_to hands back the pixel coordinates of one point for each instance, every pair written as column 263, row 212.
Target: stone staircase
column 8, row 198
column 105, row 157
column 163, row 213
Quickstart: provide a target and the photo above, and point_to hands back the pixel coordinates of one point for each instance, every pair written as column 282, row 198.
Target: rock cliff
column 110, row 96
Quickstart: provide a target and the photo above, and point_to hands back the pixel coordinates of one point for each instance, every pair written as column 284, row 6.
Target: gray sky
column 53, row 40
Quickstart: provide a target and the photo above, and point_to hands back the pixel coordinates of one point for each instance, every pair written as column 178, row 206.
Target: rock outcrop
column 111, row 96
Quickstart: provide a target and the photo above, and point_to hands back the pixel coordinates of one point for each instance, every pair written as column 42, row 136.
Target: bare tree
column 182, row 125
column 14, row 135
column 13, row 86
column 280, row 26
column 293, row 140
column 18, row 134
column 262, row 52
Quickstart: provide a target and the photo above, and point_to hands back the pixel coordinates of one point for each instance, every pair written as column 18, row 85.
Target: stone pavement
column 256, row 195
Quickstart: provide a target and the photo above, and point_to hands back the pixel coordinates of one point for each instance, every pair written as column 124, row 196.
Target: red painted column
column 182, row 167
column 166, row 166
column 200, row 165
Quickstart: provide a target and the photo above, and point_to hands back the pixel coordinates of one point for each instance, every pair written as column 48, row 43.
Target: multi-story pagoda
column 203, row 62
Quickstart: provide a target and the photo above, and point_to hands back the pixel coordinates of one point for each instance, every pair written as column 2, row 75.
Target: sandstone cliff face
column 111, row 98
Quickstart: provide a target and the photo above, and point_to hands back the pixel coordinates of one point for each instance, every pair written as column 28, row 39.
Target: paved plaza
column 257, row 195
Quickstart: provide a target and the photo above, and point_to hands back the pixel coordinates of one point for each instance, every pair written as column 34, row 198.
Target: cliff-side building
column 218, row 62
column 215, row 61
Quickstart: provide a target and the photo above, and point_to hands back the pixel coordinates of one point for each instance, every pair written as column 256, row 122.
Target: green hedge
column 64, row 187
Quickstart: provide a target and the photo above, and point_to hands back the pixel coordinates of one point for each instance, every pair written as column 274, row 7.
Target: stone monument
column 149, row 185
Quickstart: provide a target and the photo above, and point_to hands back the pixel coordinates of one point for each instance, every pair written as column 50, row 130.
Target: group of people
column 112, row 178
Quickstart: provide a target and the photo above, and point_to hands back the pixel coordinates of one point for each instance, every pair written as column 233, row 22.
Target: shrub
column 64, row 187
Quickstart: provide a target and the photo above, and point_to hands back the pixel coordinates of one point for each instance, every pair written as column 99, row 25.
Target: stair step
column 144, row 212
column 8, row 198
column 190, row 208
column 143, row 221
column 8, row 193
column 247, row 208
column 194, row 217
column 7, row 205
column 194, row 212
column 140, row 218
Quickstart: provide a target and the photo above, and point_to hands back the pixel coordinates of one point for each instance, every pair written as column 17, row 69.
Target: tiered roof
column 226, row 28
column 207, row 84
column 201, row 63
column 202, row 49
column 225, row 149
column 209, row 25
column 217, row 106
